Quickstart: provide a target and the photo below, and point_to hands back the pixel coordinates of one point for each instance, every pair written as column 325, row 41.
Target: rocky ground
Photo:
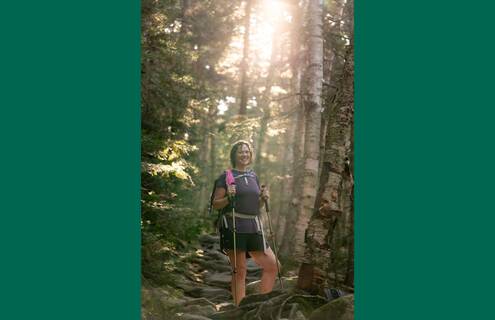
column 202, row 292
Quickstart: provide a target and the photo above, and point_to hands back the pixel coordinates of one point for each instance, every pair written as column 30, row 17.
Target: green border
column 69, row 130
column 424, row 160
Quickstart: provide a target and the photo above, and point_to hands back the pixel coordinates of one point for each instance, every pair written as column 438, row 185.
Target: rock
column 338, row 309
column 258, row 298
column 298, row 316
column 253, row 287
column 302, row 303
column 280, row 304
column 208, row 238
column 222, row 280
column 266, row 309
column 200, row 302
column 251, row 265
column 183, row 283
column 234, row 314
column 188, row 316
column 288, row 282
column 224, row 306
column 250, row 279
column 159, row 303
column 250, row 305
column 216, row 256
column 205, row 311
column 210, row 293
column 214, row 265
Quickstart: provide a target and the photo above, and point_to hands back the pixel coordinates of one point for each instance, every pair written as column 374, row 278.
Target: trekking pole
column 274, row 243
column 235, row 251
column 230, row 180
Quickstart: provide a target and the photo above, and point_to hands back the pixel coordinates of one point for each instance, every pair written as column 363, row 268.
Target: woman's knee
column 270, row 267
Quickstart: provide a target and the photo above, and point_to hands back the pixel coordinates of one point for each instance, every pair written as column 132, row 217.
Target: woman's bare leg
column 266, row 260
column 240, row 274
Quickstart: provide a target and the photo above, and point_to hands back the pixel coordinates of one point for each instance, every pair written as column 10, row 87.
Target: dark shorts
column 244, row 241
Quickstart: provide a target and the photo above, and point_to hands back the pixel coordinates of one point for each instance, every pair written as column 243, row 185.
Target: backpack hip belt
column 256, row 218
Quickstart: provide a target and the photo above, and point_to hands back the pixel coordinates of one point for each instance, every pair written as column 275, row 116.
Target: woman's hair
column 235, row 147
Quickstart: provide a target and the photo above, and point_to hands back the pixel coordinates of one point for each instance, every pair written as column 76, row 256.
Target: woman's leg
column 240, row 274
column 266, row 260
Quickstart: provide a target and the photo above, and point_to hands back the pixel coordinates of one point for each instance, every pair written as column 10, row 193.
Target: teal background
column 424, row 160
column 69, row 132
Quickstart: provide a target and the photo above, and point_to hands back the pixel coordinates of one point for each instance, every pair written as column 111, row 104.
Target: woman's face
column 243, row 156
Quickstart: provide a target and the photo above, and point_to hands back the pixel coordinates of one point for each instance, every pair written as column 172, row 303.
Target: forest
column 280, row 75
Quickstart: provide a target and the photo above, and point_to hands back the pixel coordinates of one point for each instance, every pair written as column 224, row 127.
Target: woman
column 248, row 198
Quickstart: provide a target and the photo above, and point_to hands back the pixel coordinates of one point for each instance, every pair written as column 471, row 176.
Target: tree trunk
column 297, row 134
column 212, row 145
column 204, row 196
column 312, row 112
column 184, row 18
column 243, row 88
column 207, row 157
column 349, row 274
column 314, row 274
column 336, row 13
column 285, row 181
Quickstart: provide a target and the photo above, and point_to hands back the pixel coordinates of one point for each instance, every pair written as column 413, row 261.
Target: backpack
column 216, row 222
column 212, row 196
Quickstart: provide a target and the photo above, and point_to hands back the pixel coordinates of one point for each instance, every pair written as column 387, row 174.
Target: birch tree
column 312, row 112
column 335, row 191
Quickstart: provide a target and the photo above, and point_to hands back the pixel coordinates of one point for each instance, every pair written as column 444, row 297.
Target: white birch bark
column 312, row 109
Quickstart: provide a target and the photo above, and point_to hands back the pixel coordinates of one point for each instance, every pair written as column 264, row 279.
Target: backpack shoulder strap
column 252, row 173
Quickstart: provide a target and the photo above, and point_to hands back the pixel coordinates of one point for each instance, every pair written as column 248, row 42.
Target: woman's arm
column 220, row 199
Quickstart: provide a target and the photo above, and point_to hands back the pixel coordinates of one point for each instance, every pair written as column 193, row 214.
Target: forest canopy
column 278, row 74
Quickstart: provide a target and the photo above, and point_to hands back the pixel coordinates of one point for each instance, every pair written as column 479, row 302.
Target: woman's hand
column 265, row 195
column 231, row 190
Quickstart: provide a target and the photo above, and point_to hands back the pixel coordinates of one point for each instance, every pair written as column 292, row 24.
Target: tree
column 312, row 113
column 244, row 63
column 179, row 91
column 297, row 131
column 335, row 190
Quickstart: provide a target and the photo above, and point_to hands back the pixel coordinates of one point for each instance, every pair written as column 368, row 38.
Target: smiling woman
column 239, row 196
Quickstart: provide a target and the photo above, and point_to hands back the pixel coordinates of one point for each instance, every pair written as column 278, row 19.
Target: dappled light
column 247, row 115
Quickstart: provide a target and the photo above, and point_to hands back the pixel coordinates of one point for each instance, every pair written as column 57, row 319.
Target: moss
column 339, row 309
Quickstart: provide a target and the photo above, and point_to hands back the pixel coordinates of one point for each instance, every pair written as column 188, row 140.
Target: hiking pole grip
column 265, row 200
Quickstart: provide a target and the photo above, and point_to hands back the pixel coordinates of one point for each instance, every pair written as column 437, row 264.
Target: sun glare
column 264, row 25
column 265, row 19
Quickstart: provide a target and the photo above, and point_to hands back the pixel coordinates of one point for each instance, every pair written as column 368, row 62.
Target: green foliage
column 177, row 94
